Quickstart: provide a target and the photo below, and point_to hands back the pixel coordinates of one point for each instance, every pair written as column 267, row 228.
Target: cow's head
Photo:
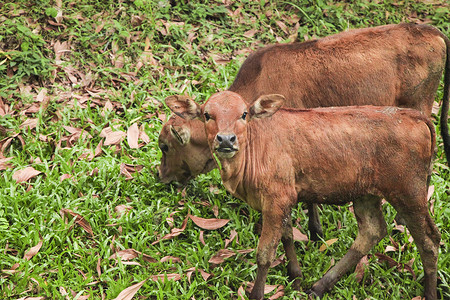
column 185, row 151
column 226, row 116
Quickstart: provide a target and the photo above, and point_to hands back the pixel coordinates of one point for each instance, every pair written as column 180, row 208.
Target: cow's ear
column 181, row 134
column 184, row 107
column 266, row 105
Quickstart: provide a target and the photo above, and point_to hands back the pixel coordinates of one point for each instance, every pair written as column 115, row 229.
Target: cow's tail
column 445, row 103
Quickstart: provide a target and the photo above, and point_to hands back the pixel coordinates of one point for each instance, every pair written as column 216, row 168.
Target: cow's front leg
column 272, row 229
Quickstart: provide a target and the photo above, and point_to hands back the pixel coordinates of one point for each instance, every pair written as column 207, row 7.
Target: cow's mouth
column 226, row 150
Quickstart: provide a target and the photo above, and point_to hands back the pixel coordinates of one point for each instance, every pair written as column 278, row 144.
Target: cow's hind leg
column 314, row 226
column 293, row 266
column 371, row 229
column 427, row 238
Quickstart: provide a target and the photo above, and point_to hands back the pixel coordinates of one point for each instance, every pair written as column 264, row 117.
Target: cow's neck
column 239, row 174
column 232, row 173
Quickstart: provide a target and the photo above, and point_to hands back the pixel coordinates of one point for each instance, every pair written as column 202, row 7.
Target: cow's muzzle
column 226, row 144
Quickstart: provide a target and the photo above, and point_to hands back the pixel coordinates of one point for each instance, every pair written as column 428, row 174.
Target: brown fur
column 332, row 156
column 396, row 65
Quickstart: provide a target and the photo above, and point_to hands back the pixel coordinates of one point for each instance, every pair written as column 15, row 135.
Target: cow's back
column 398, row 65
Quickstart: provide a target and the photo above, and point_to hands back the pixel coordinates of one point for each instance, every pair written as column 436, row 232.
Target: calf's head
column 185, row 151
column 226, row 116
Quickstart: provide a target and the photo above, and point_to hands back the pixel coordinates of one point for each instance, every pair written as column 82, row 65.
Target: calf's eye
column 164, row 148
column 244, row 115
column 207, row 117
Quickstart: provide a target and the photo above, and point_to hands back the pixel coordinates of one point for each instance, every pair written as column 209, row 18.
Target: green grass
column 134, row 54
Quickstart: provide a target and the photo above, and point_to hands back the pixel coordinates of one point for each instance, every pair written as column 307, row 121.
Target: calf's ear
column 266, row 105
column 184, row 107
column 181, row 134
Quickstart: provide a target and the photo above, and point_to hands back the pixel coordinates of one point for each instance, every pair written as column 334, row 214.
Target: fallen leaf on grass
column 209, row 224
column 129, row 292
column 267, row 288
column 29, row 123
column 79, row 220
column 64, row 176
column 112, row 137
column 162, row 277
column 204, row 274
column 298, row 236
column 122, row 209
column 124, row 172
column 33, row 251
column 4, row 163
column 399, row 266
column 233, row 235
column 31, row 298
column 133, row 136
column 327, row 244
column 174, row 232
column 220, row 256
column 169, row 258
column 25, row 174
column 129, row 254
column 98, row 151
column 360, row 267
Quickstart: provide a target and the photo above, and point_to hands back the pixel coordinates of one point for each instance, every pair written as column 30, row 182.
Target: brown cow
column 323, row 155
column 396, row 65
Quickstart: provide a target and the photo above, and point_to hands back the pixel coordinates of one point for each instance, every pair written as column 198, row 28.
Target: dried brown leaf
column 174, row 232
column 209, row 224
column 114, row 138
column 220, row 256
column 327, row 244
column 384, row 258
column 133, row 136
column 129, row 292
column 172, row 259
column 298, row 236
column 29, row 123
column 233, row 235
column 25, row 174
column 250, row 33
column 202, row 240
column 129, row 254
column 4, row 163
column 278, row 294
column 122, row 209
column 124, row 172
column 64, row 176
column 162, row 277
column 33, row 251
column 360, row 267
column 79, row 220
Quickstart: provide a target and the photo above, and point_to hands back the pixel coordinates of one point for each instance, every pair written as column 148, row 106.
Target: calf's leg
column 271, row 233
column 314, row 226
column 293, row 266
column 371, row 229
column 426, row 236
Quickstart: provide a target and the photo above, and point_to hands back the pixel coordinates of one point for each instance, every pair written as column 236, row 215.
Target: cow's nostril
column 219, row 138
column 233, row 139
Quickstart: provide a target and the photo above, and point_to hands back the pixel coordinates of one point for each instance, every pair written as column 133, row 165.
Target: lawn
column 82, row 214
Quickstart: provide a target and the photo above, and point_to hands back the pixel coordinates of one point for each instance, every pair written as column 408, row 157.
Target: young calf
column 324, row 155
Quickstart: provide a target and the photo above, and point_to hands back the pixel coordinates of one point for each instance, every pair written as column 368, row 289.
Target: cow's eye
column 207, row 117
column 244, row 115
column 164, row 148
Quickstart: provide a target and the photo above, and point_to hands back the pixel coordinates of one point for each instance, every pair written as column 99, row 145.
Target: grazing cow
column 396, row 65
column 324, row 155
